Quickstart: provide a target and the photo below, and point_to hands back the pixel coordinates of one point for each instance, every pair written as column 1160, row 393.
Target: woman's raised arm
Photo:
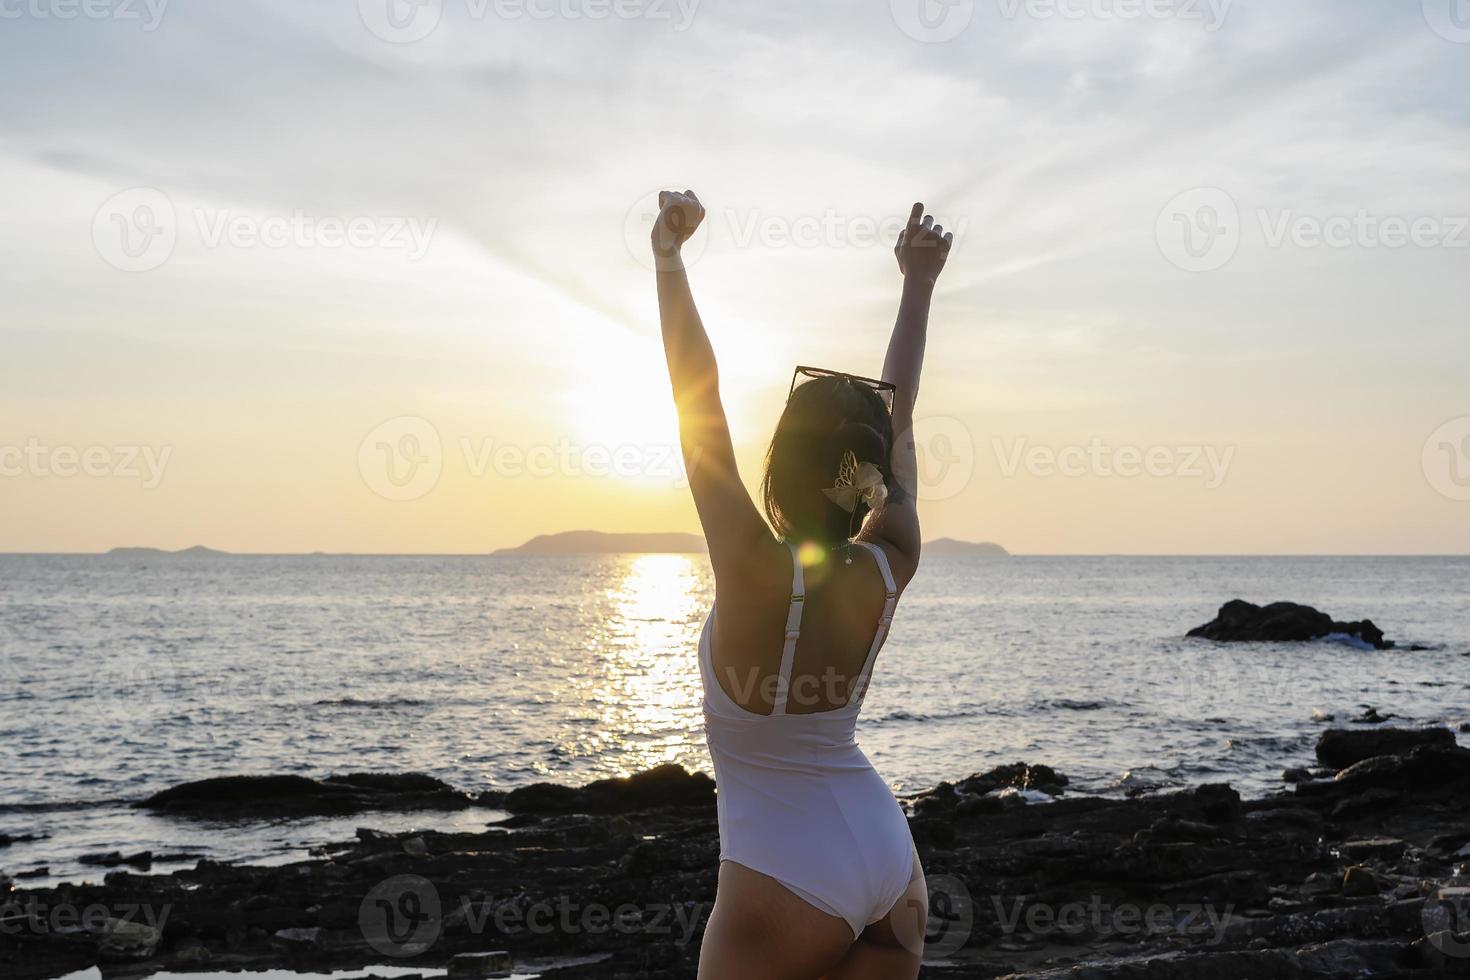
column 732, row 525
column 923, row 247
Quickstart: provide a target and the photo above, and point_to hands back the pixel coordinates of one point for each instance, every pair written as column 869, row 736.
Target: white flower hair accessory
column 857, row 481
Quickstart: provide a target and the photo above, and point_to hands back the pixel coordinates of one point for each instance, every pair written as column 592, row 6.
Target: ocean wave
column 61, row 806
column 903, row 715
column 370, row 703
column 1073, row 704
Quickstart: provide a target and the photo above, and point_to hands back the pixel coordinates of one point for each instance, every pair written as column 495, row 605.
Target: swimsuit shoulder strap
column 793, row 632
column 890, row 602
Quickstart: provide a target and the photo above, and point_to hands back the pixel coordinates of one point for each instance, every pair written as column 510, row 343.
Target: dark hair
column 825, row 419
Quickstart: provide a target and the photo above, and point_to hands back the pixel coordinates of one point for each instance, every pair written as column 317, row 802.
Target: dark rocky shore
column 1359, row 869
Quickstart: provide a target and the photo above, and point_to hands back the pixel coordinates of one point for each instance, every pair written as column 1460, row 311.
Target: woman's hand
column 679, row 216
column 922, row 247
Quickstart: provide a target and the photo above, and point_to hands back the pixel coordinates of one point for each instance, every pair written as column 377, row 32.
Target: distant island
column 951, row 546
column 198, row 551
column 600, row 543
column 673, row 543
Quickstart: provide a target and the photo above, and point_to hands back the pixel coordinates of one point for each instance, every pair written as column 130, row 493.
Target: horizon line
column 514, row 552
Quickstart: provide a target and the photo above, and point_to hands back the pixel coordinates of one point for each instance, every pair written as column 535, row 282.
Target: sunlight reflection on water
column 647, row 698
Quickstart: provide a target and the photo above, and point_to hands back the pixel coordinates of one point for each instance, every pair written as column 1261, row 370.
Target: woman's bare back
column 841, row 609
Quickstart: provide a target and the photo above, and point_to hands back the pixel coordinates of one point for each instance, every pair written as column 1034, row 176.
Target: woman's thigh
column 761, row 931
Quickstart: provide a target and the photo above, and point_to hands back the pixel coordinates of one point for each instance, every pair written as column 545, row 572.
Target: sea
column 123, row 675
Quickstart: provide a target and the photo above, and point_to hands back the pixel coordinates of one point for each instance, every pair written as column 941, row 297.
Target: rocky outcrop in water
column 1340, row 748
column 1283, row 622
column 267, row 797
column 1362, row 873
column 664, row 786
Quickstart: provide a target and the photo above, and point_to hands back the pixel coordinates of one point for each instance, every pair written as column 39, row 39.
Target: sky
column 371, row 276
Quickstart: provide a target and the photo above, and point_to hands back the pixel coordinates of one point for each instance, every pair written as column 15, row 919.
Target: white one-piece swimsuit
column 797, row 799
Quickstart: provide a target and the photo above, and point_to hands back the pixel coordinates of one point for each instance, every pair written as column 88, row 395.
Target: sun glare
column 621, row 403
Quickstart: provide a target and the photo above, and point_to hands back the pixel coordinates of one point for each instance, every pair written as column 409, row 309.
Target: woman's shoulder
column 902, row 563
column 760, row 566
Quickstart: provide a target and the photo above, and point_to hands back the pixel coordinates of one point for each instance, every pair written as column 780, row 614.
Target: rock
column 1245, row 888
column 975, row 806
column 143, row 860
column 470, row 966
column 1018, row 775
column 666, row 785
column 1427, row 767
column 298, row 938
column 1381, row 848
column 255, row 797
column 1340, row 748
column 1283, row 622
column 1320, row 883
column 1371, row 801
column 1296, row 775
column 121, row 941
column 1452, row 844
column 1370, row 716
column 1142, row 781
column 938, row 800
column 1360, row 882
column 192, row 954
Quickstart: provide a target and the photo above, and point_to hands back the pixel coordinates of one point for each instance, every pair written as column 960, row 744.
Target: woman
column 818, row 875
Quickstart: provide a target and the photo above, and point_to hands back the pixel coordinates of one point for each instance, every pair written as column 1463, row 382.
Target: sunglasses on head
column 804, row 374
